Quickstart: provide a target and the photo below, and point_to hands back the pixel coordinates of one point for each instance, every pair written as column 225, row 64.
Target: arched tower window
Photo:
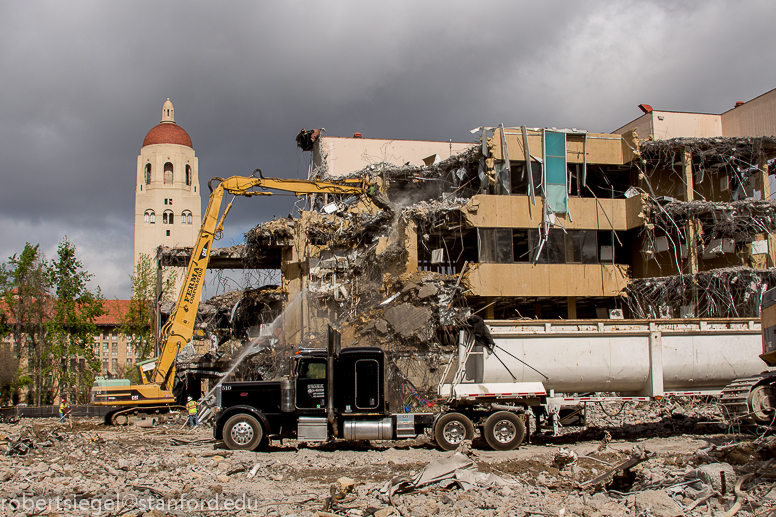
column 168, row 217
column 148, row 174
column 149, row 217
column 188, row 175
column 185, row 217
column 168, row 173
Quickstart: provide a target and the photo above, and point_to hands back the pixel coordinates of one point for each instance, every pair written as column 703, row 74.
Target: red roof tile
column 114, row 311
column 167, row 133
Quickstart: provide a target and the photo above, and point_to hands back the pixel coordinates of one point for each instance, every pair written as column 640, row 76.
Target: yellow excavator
column 155, row 393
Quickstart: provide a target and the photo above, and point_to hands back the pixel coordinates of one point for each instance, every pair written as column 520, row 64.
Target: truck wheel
column 504, row 431
column 452, row 429
column 242, row 432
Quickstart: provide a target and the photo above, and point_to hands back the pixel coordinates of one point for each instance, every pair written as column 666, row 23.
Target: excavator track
column 751, row 400
column 121, row 417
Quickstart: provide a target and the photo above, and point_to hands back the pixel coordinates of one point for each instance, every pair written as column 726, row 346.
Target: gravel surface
column 689, row 463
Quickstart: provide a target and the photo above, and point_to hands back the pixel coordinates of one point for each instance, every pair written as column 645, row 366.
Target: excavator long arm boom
column 178, row 331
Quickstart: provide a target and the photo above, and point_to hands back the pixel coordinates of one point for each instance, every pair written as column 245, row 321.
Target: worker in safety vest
column 191, row 407
column 64, row 410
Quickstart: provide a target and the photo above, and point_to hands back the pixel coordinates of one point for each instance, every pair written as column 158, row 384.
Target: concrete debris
column 725, row 292
column 564, row 457
column 719, row 476
column 167, row 466
column 742, row 220
column 407, row 319
column 455, row 470
column 708, row 153
column 656, row 503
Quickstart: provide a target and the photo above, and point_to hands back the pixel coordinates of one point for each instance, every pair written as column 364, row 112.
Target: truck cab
column 330, row 394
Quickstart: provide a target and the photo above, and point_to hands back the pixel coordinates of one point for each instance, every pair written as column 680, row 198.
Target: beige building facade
column 168, row 207
column 113, row 349
column 754, row 118
column 345, row 155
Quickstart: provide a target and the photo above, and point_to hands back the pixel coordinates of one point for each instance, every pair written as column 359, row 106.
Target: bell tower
column 168, row 209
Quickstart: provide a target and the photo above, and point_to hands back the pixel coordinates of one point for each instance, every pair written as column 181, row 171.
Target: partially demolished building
column 523, row 224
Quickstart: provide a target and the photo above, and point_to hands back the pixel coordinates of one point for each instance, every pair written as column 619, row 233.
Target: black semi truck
column 341, row 393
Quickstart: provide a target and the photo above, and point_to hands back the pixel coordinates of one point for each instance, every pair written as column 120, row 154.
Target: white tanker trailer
column 574, row 362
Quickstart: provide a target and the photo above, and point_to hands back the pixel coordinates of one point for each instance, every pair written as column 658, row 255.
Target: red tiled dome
column 167, row 133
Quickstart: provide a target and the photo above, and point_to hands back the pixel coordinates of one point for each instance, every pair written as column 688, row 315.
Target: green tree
column 24, row 287
column 137, row 323
column 71, row 327
column 9, row 365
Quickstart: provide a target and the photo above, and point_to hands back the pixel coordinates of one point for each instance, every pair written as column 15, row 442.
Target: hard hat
column 63, row 400
column 191, row 398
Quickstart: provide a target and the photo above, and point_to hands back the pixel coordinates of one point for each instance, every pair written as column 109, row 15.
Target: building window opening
column 147, row 174
column 188, row 175
column 149, row 217
column 570, row 247
column 495, row 245
column 503, row 245
column 556, row 247
column 168, row 233
column 168, row 217
column 186, row 217
column 521, row 183
column 168, row 173
column 521, row 246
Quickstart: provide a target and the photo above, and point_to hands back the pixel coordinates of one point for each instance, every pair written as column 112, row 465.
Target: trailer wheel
column 242, row 432
column 452, row 429
column 504, row 431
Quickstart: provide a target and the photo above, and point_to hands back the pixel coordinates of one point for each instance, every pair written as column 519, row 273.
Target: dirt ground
column 691, row 463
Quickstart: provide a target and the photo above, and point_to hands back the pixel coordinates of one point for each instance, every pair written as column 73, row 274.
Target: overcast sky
column 81, row 83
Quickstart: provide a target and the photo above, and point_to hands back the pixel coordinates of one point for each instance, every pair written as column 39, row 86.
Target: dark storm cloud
column 82, row 82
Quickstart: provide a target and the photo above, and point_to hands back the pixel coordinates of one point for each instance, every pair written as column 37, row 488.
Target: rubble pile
column 708, row 154
column 357, row 259
column 180, row 257
column 243, row 312
column 463, row 160
column 741, row 220
column 84, row 468
column 725, row 292
column 267, row 238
